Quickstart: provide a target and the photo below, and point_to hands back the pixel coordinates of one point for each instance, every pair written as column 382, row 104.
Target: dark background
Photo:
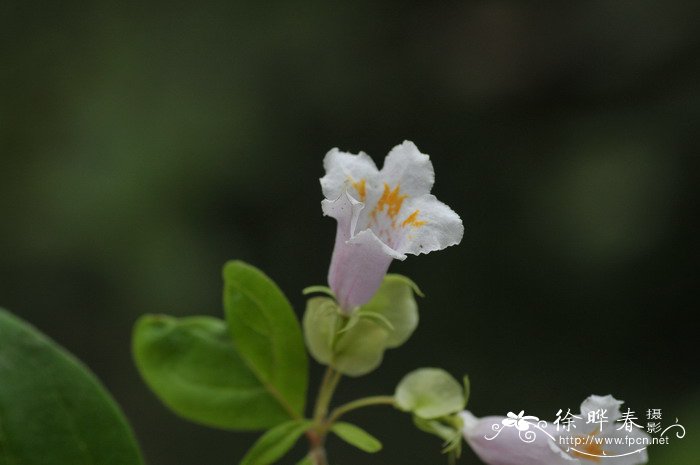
column 141, row 146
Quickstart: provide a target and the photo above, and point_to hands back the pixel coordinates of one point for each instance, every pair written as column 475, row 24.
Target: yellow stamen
column 390, row 199
column 361, row 188
column 413, row 220
column 589, row 446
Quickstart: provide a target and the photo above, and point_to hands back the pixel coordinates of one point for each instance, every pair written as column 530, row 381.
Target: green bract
column 52, row 409
column 194, row 368
column 356, row 346
column 395, row 301
column 430, row 393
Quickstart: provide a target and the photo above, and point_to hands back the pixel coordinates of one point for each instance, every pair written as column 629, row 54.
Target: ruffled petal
column 348, row 171
column 407, row 167
column 427, row 225
column 508, row 448
column 607, row 403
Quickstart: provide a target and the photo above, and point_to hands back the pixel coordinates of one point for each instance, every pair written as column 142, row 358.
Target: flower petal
column 609, row 403
column 428, row 225
column 508, row 448
column 407, row 167
column 347, row 171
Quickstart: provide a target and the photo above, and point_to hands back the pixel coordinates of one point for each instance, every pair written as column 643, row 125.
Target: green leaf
column 272, row 445
column 192, row 365
column 52, row 409
column 395, row 301
column 430, row 393
column 266, row 333
column 357, row 437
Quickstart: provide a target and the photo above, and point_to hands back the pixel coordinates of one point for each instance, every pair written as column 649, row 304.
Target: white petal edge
column 609, row 403
column 443, row 227
column 406, row 166
column 342, row 168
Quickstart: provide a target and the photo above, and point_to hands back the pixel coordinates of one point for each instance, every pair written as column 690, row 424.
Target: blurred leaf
column 194, row 368
column 266, row 333
column 52, row 409
column 357, row 437
column 430, row 393
column 394, row 301
column 272, row 445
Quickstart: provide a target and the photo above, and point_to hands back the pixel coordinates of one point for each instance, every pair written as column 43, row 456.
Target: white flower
column 503, row 441
column 510, row 446
column 382, row 215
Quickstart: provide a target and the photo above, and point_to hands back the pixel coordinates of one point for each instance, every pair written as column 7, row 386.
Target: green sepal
column 355, row 345
column 396, row 303
column 321, row 323
column 318, row 289
column 448, row 428
column 361, row 349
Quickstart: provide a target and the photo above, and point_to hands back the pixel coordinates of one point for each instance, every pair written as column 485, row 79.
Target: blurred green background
column 142, row 145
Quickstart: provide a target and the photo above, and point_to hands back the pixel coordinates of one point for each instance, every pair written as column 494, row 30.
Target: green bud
column 430, row 393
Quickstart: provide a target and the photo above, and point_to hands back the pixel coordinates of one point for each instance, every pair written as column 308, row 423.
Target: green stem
column 359, row 403
column 317, row 437
column 325, row 394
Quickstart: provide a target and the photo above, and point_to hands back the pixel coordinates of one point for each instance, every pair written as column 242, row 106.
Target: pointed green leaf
column 430, row 393
column 395, row 301
column 266, row 333
column 357, row 437
column 52, row 409
column 276, row 442
column 194, row 368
